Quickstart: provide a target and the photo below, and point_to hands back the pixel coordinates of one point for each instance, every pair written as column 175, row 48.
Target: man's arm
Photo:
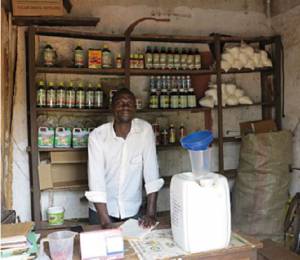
column 103, row 215
column 149, row 219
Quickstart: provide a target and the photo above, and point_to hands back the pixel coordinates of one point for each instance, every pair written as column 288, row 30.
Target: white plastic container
column 200, row 161
column 200, row 211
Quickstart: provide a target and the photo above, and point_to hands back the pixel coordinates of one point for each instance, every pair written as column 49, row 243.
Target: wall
column 191, row 18
column 287, row 25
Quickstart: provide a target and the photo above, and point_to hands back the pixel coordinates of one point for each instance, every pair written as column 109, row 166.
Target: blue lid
column 197, row 141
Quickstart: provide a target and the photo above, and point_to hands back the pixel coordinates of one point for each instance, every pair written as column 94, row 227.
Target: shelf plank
column 54, row 21
column 266, row 39
column 244, row 70
column 78, row 34
column 147, row 72
column 67, row 70
column 247, row 105
column 58, row 149
column 42, row 110
column 172, row 38
column 229, row 139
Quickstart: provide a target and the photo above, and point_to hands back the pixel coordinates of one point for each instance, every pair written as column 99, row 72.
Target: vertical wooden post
column 277, row 80
column 217, row 44
column 33, row 136
column 127, row 60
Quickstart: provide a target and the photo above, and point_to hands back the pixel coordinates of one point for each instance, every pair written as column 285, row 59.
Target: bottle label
column 162, row 61
column 119, row 63
column 148, row 60
column 51, row 98
column 170, row 61
column 190, row 62
column 183, row 61
column 41, row 98
column 174, row 101
column 70, row 98
column 61, row 98
column 106, row 59
column 98, row 99
column 191, row 101
column 153, row 101
column 176, row 61
column 164, row 101
column 79, row 58
column 80, row 98
column 183, row 101
column 156, row 60
column 89, row 99
column 197, row 61
column 49, row 57
column 95, row 59
column 172, row 136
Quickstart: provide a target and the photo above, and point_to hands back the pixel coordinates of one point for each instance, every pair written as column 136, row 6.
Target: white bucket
column 56, row 215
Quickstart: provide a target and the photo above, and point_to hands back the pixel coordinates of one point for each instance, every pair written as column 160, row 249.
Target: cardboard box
column 67, row 169
column 256, row 127
column 37, row 7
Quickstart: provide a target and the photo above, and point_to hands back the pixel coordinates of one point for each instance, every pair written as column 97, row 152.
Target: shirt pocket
column 136, row 160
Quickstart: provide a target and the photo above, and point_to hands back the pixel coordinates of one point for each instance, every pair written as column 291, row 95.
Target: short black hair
column 120, row 92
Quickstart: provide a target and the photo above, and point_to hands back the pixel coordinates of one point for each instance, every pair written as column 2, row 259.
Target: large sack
column 261, row 189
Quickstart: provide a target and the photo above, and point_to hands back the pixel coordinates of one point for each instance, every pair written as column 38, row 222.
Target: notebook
column 132, row 230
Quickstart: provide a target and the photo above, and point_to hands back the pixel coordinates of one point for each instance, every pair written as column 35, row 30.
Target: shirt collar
column 135, row 128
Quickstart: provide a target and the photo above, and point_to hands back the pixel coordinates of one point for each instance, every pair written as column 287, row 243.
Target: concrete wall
column 188, row 18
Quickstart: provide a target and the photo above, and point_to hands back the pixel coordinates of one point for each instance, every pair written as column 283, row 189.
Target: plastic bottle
column 119, row 62
column 197, row 59
column 182, row 132
column 163, row 58
column 164, row 99
column 61, row 95
column 170, row 59
column 78, row 57
column 41, row 94
column 191, row 103
column 141, row 61
column 153, row 102
column 190, row 59
column 49, row 56
column 70, row 95
column 155, row 58
column 182, row 98
column 106, row 57
column 183, row 59
column 176, row 59
column 164, row 137
column 98, row 96
column 148, row 58
column 136, row 61
column 172, row 134
column 90, row 96
column 174, row 100
column 80, row 96
column 51, row 95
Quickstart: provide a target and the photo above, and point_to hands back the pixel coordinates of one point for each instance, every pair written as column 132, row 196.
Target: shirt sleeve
column 96, row 176
column 150, row 165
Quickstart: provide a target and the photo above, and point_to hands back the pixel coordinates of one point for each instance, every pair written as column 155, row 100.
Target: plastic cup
column 200, row 161
column 56, row 215
column 61, row 245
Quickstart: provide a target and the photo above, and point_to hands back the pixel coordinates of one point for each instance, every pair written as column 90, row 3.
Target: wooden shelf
column 231, row 139
column 78, row 34
column 233, row 71
column 148, row 72
column 238, row 39
column 55, row 21
column 67, row 70
column 247, row 105
column 57, row 149
column 172, row 38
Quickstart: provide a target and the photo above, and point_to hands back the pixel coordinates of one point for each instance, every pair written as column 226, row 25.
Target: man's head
column 123, row 105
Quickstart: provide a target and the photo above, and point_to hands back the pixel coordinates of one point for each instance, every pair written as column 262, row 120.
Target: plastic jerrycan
column 200, row 201
column 61, row 245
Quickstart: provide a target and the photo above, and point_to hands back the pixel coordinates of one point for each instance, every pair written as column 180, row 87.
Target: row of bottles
column 168, row 136
column 94, row 58
column 169, row 58
column 171, row 92
column 50, row 94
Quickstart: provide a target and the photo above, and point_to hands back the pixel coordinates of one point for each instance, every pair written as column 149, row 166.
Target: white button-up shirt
column 117, row 166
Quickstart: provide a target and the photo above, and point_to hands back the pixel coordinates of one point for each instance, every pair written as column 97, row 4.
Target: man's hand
column 147, row 221
column 108, row 225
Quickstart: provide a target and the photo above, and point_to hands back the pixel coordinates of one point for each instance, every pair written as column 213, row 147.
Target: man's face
column 124, row 108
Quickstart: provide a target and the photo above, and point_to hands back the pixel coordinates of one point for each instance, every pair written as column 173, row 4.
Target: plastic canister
column 56, row 215
column 45, row 137
column 62, row 137
column 61, row 245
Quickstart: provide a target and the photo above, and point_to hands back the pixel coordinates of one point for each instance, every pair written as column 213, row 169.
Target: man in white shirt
column 121, row 154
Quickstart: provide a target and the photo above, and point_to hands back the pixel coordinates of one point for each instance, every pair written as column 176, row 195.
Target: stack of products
column 171, row 92
column 168, row 136
column 93, row 59
column 168, row 58
column 18, row 240
column 63, row 137
column 51, row 94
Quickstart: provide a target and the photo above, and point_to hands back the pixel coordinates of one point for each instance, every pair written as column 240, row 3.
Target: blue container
column 197, row 141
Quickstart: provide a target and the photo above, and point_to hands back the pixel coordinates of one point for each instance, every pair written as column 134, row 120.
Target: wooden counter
column 247, row 252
